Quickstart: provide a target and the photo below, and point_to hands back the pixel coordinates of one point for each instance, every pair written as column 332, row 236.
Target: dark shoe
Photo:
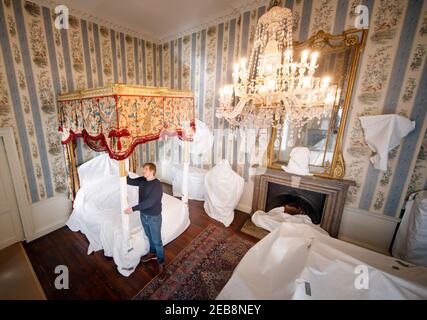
column 148, row 257
column 162, row 271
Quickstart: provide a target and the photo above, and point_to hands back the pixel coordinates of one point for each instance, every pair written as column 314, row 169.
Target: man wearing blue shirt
column 150, row 208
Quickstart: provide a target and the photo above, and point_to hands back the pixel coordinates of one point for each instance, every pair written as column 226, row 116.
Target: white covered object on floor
column 223, row 189
column 411, row 238
column 275, row 217
column 383, row 133
column 196, row 182
column 97, row 215
column 296, row 261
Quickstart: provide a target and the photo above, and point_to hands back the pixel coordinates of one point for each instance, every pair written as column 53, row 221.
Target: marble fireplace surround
column 335, row 191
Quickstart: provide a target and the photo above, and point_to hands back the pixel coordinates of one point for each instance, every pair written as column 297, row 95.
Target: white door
column 11, row 230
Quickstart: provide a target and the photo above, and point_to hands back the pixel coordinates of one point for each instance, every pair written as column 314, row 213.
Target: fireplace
column 322, row 199
column 304, row 201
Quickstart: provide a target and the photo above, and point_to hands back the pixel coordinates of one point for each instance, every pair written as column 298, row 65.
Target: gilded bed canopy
column 118, row 117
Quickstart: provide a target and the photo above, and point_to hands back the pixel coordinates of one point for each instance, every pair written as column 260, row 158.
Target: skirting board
column 244, row 208
column 49, row 215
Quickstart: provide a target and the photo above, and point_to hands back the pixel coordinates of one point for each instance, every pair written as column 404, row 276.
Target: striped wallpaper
column 391, row 79
column 37, row 62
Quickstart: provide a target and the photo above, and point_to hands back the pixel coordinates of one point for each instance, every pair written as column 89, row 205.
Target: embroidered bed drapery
column 117, row 118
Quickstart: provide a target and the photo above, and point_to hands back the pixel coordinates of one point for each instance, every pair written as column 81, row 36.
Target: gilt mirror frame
column 354, row 39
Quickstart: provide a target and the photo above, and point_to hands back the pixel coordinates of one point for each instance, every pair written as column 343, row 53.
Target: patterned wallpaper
column 37, row 61
column 391, row 79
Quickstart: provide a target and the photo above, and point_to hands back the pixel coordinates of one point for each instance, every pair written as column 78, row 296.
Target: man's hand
column 128, row 210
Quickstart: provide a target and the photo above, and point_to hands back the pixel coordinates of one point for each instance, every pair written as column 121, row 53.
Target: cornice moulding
column 100, row 21
column 236, row 10
column 214, row 20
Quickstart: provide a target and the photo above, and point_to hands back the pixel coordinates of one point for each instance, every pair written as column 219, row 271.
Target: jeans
column 152, row 228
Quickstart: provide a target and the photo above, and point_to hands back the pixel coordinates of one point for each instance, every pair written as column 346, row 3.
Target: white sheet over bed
column 296, row 261
column 97, row 215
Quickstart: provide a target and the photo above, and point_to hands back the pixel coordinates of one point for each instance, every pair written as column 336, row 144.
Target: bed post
column 124, row 201
column 133, row 162
column 185, row 173
column 73, row 177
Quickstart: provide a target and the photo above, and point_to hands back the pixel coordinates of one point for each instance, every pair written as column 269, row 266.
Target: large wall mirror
column 339, row 57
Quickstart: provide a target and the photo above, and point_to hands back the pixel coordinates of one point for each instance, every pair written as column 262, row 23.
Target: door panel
column 11, row 230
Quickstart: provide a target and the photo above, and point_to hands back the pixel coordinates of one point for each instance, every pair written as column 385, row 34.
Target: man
column 150, row 208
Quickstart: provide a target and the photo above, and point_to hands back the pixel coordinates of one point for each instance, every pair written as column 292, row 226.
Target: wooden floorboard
column 95, row 276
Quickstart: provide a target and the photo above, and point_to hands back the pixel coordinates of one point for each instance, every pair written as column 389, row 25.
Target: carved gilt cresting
column 352, row 42
column 113, row 119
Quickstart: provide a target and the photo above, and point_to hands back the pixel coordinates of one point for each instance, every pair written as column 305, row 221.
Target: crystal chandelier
column 273, row 88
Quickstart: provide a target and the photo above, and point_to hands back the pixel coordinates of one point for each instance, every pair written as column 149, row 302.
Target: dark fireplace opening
column 297, row 201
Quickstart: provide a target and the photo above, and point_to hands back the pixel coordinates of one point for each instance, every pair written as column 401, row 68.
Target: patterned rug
column 201, row 270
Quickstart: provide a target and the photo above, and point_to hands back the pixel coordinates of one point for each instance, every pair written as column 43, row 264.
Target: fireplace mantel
column 334, row 189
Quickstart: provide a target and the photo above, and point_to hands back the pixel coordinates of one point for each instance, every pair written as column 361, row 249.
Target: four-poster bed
column 115, row 119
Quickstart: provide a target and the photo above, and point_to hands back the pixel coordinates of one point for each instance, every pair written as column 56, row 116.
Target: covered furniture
column 299, row 162
column 196, row 182
column 411, row 238
column 201, row 144
column 296, row 261
column 115, row 119
column 223, row 189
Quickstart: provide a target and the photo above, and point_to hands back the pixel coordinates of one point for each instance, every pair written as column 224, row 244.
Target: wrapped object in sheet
column 223, row 189
column 295, row 261
column 299, row 161
column 383, row 133
column 275, row 217
column 196, row 182
column 411, row 238
column 202, row 140
column 97, row 168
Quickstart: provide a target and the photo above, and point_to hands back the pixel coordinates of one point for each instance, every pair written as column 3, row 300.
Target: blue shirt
column 150, row 195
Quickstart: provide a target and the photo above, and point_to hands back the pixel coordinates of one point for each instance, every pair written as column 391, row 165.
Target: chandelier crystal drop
column 273, row 88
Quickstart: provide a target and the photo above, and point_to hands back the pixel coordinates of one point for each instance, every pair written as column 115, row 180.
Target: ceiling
column 159, row 20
